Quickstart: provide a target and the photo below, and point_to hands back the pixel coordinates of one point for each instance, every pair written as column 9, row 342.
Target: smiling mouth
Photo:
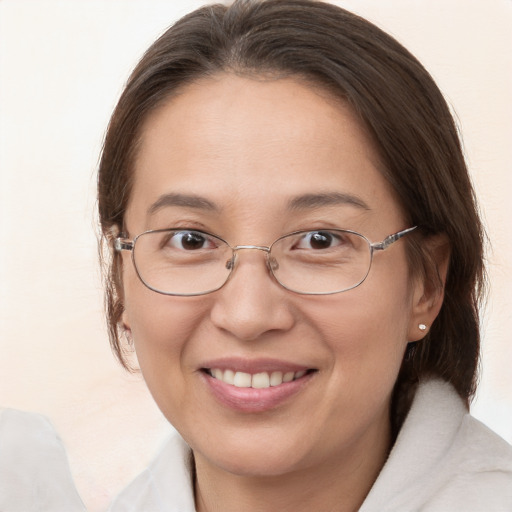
column 260, row 380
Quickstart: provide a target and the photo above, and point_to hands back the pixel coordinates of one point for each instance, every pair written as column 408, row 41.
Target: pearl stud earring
column 422, row 327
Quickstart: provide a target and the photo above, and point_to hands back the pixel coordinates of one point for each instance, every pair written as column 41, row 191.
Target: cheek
column 161, row 329
column 365, row 331
column 365, row 336
column 158, row 322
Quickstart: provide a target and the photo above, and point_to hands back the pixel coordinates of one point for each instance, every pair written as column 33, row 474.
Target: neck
column 340, row 484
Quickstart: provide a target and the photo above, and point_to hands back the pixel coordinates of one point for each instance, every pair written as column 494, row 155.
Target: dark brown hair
column 395, row 98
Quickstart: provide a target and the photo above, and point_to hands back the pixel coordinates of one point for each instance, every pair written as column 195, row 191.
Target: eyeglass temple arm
column 391, row 239
column 121, row 244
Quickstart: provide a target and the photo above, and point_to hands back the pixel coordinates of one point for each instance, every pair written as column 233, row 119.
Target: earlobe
column 128, row 336
column 126, row 329
column 428, row 295
column 423, row 315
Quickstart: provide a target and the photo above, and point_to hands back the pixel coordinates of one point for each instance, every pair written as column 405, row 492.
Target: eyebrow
column 183, row 200
column 312, row 201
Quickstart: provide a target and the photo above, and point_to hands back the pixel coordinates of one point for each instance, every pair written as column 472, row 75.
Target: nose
column 252, row 304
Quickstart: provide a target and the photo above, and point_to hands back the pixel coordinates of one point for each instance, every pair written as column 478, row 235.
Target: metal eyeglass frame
column 123, row 244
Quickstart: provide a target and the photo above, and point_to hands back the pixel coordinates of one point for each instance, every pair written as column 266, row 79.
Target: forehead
column 254, row 143
column 233, row 114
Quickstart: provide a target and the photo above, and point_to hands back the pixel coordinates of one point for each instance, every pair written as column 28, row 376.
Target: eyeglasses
column 187, row 262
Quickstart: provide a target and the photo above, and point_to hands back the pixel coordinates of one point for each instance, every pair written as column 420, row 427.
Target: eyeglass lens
column 186, row 262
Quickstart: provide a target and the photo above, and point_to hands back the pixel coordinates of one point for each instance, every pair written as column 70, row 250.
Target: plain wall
column 62, row 67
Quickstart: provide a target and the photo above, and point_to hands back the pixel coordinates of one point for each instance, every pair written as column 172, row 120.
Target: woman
column 294, row 252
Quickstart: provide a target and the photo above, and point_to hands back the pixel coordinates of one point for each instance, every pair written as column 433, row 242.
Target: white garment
column 443, row 461
column 34, row 470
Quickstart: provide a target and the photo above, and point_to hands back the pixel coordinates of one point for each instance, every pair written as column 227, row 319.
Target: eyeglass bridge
column 272, row 262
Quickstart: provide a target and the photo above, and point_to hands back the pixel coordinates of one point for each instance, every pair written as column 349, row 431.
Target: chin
column 261, row 466
column 251, row 457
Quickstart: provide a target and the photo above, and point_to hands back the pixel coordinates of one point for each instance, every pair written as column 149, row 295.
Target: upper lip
column 253, row 366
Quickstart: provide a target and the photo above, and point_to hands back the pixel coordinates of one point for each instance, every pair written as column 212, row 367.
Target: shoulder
column 165, row 486
column 13, row 421
column 480, row 471
column 34, row 470
column 483, row 450
column 24, row 438
column 444, row 459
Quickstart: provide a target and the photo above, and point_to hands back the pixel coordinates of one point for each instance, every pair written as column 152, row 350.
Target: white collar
column 425, row 438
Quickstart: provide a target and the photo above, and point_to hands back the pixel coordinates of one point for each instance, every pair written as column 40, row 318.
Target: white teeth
column 242, row 380
column 229, row 377
column 258, row 380
column 276, row 378
column 288, row 376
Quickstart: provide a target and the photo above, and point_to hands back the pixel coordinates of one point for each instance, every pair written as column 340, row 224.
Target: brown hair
column 396, row 99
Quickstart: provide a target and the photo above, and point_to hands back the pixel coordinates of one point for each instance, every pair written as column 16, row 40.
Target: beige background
column 62, row 66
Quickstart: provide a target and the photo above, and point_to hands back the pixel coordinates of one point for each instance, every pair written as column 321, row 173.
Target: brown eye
column 190, row 241
column 318, row 240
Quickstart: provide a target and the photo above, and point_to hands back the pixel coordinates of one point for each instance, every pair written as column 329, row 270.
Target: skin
column 249, row 147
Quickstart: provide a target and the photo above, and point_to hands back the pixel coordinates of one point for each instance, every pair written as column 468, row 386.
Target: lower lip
column 252, row 399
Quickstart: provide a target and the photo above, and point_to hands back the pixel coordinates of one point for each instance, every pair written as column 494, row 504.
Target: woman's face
column 252, row 160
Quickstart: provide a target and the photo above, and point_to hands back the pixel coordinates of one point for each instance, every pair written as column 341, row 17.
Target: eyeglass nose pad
column 230, row 263
column 272, row 263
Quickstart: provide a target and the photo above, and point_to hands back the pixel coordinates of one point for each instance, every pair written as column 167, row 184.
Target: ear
column 428, row 291
column 125, row 321
column 126, row 328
